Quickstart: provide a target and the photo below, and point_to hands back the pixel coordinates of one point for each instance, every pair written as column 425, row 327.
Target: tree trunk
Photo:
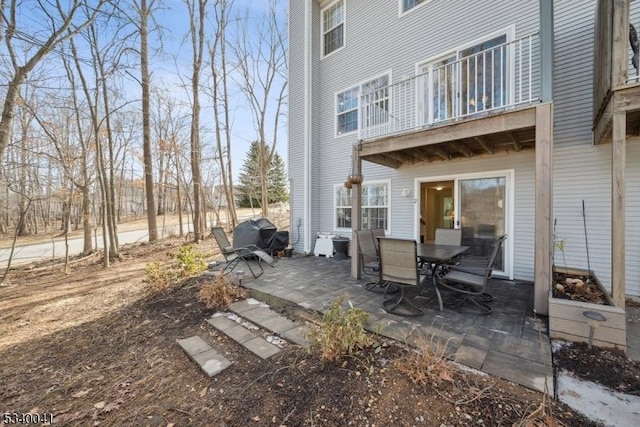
column 146, row 127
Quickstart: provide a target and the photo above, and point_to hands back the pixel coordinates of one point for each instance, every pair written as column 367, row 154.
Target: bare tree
column 197, row 17
column 63, row 20
column 262, row 67
column 221, row 103
column 170, row 127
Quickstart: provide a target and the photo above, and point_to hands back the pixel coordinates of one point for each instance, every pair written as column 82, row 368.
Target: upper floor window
column 333, row 27
column 468, row 80
column 407, row 5
column 375, row 95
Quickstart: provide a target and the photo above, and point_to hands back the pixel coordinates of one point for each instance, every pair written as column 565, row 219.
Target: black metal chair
column 399, row 267
column 470, row 283
column 233, row 256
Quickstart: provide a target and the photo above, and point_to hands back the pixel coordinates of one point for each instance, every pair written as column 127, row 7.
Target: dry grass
column 221, row 292
column 426, row 363
column 340, row 332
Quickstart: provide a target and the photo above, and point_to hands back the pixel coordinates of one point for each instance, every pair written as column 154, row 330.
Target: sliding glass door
column 483, row 216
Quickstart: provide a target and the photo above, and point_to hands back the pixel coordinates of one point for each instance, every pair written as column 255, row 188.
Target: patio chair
column 233, row 256
column 367, row 252
column 399, row 267
column 377, row 232
column 470, row 284
column 445, row 236
column 448, row 236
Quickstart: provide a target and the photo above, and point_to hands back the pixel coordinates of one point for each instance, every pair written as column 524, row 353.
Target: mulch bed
column 610, row 368
column 577, row 288
column 122, row 366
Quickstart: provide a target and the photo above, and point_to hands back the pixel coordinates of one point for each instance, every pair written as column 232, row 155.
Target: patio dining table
column 437, row 256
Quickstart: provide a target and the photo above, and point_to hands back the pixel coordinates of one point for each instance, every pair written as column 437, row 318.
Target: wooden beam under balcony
column 424, row 154
column 497, row 122
column 488, row 147
column 461, row 148
column 441, row 152
column 401, row 157
column 623, row 99
column 384, row 160
column 514, row 142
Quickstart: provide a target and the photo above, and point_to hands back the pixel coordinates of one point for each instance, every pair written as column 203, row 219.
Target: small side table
column 341, row 245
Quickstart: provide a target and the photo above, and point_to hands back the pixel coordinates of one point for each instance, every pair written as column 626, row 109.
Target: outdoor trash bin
column 341, row 246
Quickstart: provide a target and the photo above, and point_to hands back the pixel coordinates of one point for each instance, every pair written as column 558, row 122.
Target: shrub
column 340, row 332
column 221, row 292
column 190, row 261
column 160, row 277
column 427, row 363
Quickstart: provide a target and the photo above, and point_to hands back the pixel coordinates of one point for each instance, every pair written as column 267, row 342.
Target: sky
column 170, row 67
column 173, row 17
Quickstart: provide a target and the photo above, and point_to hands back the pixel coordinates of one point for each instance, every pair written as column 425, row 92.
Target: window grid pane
column 333, row 27
column 375, row 208
column 410, row 4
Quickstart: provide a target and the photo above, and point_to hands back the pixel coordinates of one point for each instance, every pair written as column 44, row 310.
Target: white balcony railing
column 497, row 78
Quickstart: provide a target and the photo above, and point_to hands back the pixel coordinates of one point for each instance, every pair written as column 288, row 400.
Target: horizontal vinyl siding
column 403, row 217
column 582, row 171
column 295, row 120
column 317, row 146
column 632, row 234
column 378, row 41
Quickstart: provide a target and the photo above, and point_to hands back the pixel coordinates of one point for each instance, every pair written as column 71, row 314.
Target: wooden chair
column 233, row 256
column 399, row 267
column 470, row 284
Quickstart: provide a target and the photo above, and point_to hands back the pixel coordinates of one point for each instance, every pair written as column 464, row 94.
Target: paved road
column 41, row 251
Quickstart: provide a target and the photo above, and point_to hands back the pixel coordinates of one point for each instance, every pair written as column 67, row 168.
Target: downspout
column 308, row 130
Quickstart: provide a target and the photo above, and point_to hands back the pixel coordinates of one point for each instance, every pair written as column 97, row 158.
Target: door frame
column 508, row 174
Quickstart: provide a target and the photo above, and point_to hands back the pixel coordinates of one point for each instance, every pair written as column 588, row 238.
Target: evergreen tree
column 249, row 179
column 278, row 190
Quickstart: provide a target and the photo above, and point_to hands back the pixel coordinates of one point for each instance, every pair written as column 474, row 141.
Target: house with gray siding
column 496, row 117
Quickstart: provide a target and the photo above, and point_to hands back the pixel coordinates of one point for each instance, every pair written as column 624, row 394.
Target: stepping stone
column 221, row 323
column 261, row 348
column 271, row 320
column 278, row 324
column 297, row 335
column 259, row 315
column 245, row 337
column 210, row 361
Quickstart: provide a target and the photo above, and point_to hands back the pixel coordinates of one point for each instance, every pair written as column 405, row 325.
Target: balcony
column 458, row 88
column 616, row 69
column 616, row 107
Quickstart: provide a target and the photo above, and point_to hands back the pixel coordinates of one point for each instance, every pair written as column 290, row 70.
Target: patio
column 506, row 343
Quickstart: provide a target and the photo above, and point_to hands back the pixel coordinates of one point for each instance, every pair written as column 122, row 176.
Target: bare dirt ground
column 97, row 347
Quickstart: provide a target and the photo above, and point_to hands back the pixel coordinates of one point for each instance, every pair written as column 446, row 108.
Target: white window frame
column 337, row 113
column 359, row 87
column 510, row 175
column 402, row 12
column 509, row 32
column 344, row 28
column 385, row 182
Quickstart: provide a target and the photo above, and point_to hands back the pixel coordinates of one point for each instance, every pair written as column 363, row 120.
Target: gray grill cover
column 254, row 232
